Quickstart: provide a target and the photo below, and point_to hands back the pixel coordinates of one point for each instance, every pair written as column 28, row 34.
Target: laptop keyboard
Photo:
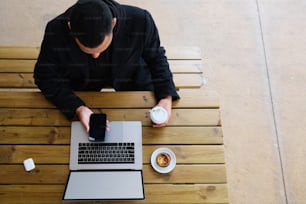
column 106, row 153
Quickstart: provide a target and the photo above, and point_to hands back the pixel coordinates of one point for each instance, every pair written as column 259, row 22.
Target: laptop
column 108, row 170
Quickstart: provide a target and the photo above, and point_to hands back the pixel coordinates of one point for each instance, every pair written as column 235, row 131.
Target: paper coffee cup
column 158, row 115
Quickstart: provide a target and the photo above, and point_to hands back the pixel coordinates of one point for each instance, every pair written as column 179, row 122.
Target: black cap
column 90, row 21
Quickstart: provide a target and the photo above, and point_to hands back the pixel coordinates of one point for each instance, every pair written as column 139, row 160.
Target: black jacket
column 134, row 61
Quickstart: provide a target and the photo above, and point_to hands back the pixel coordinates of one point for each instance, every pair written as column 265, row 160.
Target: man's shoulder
column 134, row 11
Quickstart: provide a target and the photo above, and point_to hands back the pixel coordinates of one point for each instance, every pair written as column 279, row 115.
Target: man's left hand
column 166, row 103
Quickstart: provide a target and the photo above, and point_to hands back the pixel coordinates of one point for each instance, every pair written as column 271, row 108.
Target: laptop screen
column 104, row 185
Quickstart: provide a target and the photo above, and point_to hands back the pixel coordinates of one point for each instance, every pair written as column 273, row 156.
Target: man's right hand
column 83, row 114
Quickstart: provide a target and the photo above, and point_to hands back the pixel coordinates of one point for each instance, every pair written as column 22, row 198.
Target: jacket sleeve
column 48, row 79
column 154, row 56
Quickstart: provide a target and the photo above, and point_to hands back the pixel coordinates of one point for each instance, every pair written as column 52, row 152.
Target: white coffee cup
column 158, row 115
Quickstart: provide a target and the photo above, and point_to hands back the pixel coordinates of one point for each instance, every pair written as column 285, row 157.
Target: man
column 97, row 44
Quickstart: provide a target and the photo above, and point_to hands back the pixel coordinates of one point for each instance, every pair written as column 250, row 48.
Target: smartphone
column 97, row 127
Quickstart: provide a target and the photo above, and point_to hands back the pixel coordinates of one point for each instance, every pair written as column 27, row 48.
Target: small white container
column 29, row 164
column 158, row 115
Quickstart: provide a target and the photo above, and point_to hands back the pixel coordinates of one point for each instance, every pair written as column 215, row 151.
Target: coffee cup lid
column 158, row 115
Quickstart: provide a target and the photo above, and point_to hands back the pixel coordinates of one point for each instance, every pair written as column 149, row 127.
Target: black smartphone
column 97, row 127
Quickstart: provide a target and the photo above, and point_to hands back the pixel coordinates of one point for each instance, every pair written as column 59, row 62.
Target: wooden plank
column 59, row 154
column 7, row 52
column 155, row 193
column 34, row 135
column 191, row 98
column 52, row 154
column 20, row 99
column 191, row 174
column 42, row 174
column 53, row 117
column 16, row 80
column 27, row 66
column 31, row 194
column 26, row 80
column 188, row 80
column 57, row 174
column 197, row 97
column 191, row 154
column 179, row 117
column 61, row 135
column 182, row 135
column 201, row 193
column 17, row 66
column 184, row 53
column 186, row 66
column 32, row 117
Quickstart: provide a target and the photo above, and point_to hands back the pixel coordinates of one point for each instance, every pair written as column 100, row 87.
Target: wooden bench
column 17, row 64
column 31, row 127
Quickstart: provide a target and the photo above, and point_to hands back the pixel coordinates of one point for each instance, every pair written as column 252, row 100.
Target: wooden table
column 31, row 127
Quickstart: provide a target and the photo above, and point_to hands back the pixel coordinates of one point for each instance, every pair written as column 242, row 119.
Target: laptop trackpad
column 104, row 185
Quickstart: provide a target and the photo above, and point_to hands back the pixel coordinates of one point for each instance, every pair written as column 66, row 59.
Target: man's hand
column 84, row 113
column 166, row 103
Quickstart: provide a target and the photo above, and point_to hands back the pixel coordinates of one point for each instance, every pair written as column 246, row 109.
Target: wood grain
column 155, row 193
column 52, row 117
column 16, row 65
column 57, row 174
column 190, row 98
column 59, row 154
column 7, row 52
column 61, row 135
